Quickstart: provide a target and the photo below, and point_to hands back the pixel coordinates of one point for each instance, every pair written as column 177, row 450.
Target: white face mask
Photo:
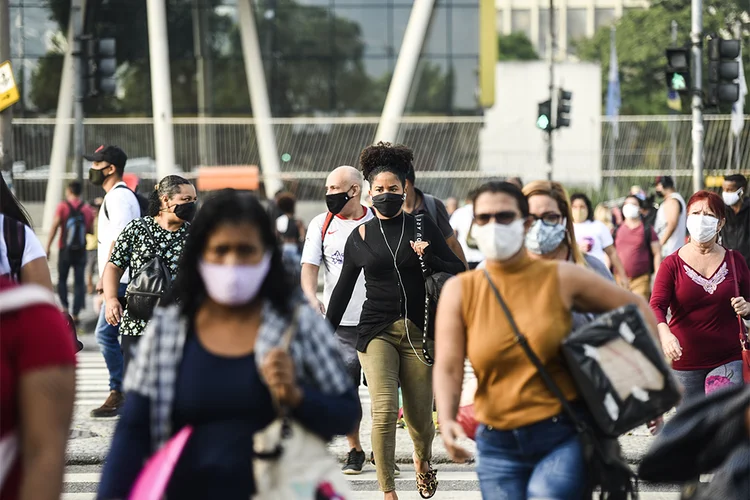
column 702, row 228
column 234, row 285
column 499, row 241
column 731, row 198
column 631, row 211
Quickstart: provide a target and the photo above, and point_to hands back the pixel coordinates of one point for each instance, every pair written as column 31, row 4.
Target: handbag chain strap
column 743, row 333
column 521, row 339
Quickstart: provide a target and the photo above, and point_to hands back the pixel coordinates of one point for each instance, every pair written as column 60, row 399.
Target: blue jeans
column 65, row 261
column 539, row 461
column 109, row 345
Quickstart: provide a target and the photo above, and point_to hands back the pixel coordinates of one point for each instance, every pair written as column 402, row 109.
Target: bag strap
column 431, row 205
column 326, row 225
column 419, row 225
column 743, row 333
column 579, row 424
column 14, row 233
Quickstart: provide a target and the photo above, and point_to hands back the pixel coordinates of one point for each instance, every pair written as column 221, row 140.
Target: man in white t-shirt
column 324, row 244
column 461, row 223
column 119, row 207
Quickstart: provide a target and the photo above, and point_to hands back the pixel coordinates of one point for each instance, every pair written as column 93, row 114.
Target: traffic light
column 678, row 69
column 544, row 116
column 102, row 66
column 723, row 71
column 563, row 108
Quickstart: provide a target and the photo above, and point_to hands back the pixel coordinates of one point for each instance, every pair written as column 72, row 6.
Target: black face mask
column 97, row 177
column 388, row 204
column 337, row 202
column 660, row 194
column 186, row 211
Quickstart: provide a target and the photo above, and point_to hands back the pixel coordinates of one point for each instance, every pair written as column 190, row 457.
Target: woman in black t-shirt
column 390, row 328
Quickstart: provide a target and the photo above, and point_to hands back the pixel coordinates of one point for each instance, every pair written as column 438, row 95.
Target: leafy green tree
column 516, row 47
column 642, row 36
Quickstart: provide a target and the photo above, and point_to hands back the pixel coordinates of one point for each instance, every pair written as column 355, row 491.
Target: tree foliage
column 641, row 38
column 516, row 47
column 314, row 62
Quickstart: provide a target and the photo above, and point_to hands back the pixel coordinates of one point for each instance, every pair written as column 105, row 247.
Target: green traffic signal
column 544, row 116
column 542, row 122
column 678, row 82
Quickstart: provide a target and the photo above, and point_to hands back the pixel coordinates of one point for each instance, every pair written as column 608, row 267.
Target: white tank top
column 677, row 240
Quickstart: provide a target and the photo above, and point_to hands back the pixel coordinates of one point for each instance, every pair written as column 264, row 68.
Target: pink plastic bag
column 153, row 479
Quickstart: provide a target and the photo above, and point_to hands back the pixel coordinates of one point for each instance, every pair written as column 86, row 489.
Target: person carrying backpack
column 73, row 220
column 150, row 248
column 638, row 247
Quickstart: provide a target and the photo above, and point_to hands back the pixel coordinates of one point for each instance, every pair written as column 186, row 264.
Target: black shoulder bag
column 151, row 282
column 606, row 466
column 433, row 285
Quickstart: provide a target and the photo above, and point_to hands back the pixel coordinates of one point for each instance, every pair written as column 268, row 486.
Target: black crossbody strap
column 419, row 221
column 546, row 377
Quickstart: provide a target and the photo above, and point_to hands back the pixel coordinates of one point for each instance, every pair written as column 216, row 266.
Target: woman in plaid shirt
column 211, row 360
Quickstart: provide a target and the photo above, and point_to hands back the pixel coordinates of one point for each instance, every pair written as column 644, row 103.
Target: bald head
column 343, row 178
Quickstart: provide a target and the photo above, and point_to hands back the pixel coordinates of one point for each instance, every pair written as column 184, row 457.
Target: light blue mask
column 543, row 239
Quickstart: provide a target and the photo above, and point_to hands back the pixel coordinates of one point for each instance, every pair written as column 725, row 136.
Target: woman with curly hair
column 390, row 340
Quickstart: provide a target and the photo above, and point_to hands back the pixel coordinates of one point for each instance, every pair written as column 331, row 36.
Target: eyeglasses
column 503, row 218
column 549, row 219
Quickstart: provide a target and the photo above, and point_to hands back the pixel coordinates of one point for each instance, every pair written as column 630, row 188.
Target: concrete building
column 574, row 19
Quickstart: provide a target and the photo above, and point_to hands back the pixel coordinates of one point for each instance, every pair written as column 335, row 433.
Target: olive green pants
column 388, row 361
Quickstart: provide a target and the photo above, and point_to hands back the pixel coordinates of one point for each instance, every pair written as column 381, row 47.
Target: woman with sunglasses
column 527, row 446
column 390, row 342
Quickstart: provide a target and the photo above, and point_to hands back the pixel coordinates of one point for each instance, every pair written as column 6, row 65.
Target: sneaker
column 355, row 460
column 111, row 406
column 396, row 470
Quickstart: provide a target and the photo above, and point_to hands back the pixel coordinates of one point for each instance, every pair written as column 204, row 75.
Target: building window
column 520, row 21
column 544, row 30
column 576, row 20
column 603, row 17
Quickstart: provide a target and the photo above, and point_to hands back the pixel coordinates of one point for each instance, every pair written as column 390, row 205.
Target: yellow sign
column 8, row 90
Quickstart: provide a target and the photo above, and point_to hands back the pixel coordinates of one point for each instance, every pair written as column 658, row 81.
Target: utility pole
column 696, row 37
column 673, row 125
column 6, row 132
column 76, row 12
column 552, row 48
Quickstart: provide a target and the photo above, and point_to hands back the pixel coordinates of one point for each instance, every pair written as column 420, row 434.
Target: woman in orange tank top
column 527, row 447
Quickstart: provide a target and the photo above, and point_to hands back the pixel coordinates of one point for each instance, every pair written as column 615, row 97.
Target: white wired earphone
column 401, row 281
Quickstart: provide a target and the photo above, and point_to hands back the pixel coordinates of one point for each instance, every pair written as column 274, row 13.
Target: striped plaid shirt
column 153, row 372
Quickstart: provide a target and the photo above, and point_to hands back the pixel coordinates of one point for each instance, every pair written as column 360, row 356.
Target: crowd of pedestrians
column 211, row 324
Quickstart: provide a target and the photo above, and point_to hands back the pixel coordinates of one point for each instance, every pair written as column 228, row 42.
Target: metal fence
column 447, row 149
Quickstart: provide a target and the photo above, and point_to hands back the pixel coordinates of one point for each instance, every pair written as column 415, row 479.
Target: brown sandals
column 427, row 482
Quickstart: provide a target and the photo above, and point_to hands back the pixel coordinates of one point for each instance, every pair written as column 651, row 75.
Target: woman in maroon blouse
column 697, row 284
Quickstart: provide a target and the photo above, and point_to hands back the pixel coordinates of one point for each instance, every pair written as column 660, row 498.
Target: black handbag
column 619, row 371
column 150, row 283
column 433, row 286
column 607, row 470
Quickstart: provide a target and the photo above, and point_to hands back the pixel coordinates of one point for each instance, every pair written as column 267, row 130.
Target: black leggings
column 128, row 344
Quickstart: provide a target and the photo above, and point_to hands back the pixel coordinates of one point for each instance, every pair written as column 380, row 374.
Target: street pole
column 673, row 125
column 552, row 48
column 78, row 88
column 696, row 37
column 6, row 116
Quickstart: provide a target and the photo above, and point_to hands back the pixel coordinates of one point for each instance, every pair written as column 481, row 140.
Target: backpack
column 75, row 230
column 14, row 234
column 150, row 283
column 646, row 243
column 142, row 202
column 431, row 206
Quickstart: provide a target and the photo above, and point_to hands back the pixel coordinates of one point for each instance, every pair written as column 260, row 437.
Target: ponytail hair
column 169, row 187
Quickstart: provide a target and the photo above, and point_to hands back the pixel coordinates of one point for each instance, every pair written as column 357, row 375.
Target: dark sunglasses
column 549, row 219
column 503, row 218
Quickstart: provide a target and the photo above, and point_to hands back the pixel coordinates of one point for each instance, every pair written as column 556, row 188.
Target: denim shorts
column 543, row 460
